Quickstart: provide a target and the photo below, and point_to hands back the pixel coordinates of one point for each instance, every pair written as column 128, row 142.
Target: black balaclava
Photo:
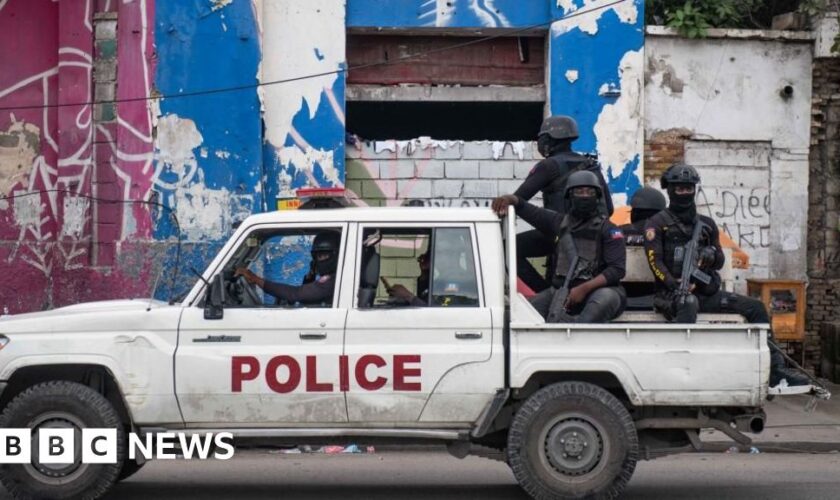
column 682, row 204
column 328, row 266
column 641, row 214
column 548, row 145
column 583, row 207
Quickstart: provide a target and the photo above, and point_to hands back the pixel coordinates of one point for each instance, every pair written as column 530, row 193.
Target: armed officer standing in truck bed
column 594, row 293
column 667, row 235
column 554, row 142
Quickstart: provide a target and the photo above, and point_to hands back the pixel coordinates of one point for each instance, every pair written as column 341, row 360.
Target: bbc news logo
column 99, row 446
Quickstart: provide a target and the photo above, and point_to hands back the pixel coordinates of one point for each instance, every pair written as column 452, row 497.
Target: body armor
column 676, row 236
column 554, row 194
column 586, row 237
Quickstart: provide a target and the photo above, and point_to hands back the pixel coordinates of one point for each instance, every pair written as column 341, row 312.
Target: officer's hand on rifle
column 500, row 204
column 576, row 296
column 706, row 257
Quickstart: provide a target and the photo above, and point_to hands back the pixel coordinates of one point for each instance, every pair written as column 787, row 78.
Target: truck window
column 397, row 268
column 294, row 268
column 453, row 279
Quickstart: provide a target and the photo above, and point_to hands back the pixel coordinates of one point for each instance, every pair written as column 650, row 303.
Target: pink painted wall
column 56, row 248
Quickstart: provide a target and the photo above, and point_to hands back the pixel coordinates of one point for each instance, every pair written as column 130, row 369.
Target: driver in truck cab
column 318, row 286
column 593, row 293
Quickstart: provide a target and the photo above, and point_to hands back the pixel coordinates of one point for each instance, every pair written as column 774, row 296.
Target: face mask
column 584, row 207
column 682, row 204
column 325, row 267
column 544, row 144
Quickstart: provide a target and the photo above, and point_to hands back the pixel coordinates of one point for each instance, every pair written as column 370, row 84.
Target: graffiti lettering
column 448, row 203
column 742, row 213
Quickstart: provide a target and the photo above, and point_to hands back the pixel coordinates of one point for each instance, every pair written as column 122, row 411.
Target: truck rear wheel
column 61, row 405
column 572, row 440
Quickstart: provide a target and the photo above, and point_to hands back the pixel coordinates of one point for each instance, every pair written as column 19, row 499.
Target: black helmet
column 648, row 198
column 326, row 242
column 583, row 178
column 679, row 173
column 560, row 127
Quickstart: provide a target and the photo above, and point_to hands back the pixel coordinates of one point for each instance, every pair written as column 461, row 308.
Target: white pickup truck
column 571, row 408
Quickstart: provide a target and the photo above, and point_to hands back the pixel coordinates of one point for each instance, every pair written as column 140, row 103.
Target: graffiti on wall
column 69, row 148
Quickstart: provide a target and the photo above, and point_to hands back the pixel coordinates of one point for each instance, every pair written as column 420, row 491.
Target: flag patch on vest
column 616, row 234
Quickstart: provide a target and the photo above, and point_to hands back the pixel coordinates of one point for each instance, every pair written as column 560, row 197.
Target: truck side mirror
column 214, row 304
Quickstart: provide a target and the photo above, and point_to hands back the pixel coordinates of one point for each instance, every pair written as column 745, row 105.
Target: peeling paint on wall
column 626, row 11
column 176, row 139
column 619, row 132
column 19, row 146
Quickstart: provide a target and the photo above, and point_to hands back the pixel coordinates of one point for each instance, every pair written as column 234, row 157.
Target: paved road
column 415, row 475
column 390, row 475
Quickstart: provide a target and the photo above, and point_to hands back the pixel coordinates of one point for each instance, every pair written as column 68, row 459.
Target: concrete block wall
column 423, row 172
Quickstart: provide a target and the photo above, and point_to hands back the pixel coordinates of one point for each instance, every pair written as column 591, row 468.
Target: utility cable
column 236, row 88
column 151, row 202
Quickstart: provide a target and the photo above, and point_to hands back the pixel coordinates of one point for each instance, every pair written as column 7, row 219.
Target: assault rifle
column 691, row 260
column 557, row 310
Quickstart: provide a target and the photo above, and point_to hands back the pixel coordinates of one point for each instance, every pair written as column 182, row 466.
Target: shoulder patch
column 650, row 234
column 616, row 234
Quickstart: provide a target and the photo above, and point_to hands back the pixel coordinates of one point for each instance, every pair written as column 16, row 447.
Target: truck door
column 418, row 353
column 266, row 360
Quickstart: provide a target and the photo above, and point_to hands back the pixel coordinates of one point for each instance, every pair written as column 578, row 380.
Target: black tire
column 129, row 468
column 61, row 404
column 572, row 440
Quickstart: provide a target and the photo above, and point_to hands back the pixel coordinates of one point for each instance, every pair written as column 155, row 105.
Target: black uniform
column 600, row 246
column 665, row 239
column 550, row 176
column 640, row 295
column 313, row 293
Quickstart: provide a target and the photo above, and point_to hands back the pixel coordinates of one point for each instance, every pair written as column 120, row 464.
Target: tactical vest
column 554, row 193
column 586, row 237
column 677, row 235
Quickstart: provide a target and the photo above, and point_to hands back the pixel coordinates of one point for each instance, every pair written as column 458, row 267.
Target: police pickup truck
column 463, row 361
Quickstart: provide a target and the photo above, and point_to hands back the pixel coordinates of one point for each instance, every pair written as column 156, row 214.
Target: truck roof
column 377, row 214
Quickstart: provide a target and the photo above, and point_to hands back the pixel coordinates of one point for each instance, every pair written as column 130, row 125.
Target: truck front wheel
column 61, row 405
column 572, row 440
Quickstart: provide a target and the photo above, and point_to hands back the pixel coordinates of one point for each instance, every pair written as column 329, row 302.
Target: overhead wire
column 503, row 33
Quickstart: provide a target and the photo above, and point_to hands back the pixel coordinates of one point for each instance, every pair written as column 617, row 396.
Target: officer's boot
column 686, row 309
column 779, row 372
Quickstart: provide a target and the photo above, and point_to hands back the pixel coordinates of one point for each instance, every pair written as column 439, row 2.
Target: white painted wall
column 747, row 140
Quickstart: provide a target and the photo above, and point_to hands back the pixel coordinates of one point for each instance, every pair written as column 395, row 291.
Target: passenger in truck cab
column 319, row 284
column 401, row 292
column 668, row 235
column 589, row 258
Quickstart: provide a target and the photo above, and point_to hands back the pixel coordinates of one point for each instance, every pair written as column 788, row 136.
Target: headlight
column 3, row 341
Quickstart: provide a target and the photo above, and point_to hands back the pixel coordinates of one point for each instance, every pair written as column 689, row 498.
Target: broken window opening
column 467, row 121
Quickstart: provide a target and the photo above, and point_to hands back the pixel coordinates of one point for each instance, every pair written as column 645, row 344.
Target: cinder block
column 480, row 189
column 447, row 188
column 508, row 187
column 461, row 169
column 105, row 70
column 414, row 188
column 104, row 91
column 408, row 268
column 362, row 169
column 521, row 169
column 451, row 152
column 499, row 169
column 379, row 190
column 390, row 251
column 428, row 169
column 354, row 187
column 368, row 152
column 477, row 150
column 396, row 169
